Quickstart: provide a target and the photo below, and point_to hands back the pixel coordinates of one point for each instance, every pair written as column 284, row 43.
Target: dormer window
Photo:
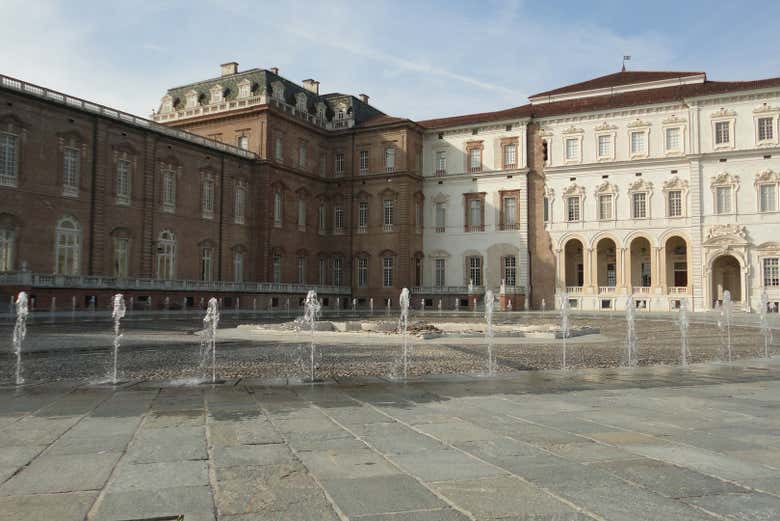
column 244, row 89
column 192, row 99
column 300, row 102
column 167, row 104
column 277, row 90
column 217, row 94
column 321, row 108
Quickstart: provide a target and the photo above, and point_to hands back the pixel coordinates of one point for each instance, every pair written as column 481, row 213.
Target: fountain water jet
column 490, row 301
column 209, row 343
column 354, row 305
column 684, row 323
column 440, row 306
column 403, row 325
column 564, row 309
column 766, row 329
column 311, row 312
column 20, row 332
column 544, row 306
column 371, row 305
column 117, row 313
column 724, row 323
column 631, row 353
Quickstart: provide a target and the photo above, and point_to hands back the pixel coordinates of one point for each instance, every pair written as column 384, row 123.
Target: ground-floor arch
column 726, row 275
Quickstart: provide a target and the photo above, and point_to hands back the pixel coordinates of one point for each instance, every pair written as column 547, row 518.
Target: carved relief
column 767, row 176
column 731, row 231
column 605, row 188
column 640, row 185
column 724, row 179
column 675, row 183
column 724, row 113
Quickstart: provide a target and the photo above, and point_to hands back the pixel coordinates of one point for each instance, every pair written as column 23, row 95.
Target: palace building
column 660, row 185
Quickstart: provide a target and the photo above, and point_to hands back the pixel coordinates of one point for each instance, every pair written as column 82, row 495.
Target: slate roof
column 618, row 79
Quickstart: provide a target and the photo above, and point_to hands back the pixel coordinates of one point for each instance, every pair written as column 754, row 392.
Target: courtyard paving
column 651, row 443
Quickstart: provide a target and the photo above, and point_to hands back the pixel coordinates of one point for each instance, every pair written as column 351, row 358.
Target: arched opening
column 726, row 275
column 606, row 263
column 573, row 259
column 641, row 267
column 676, row 249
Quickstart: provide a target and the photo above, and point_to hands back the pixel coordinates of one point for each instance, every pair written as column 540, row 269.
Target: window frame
column 71, row 170
column 720, row 118
column 362, row 272
column 680, row 150
column 766, row 112
column 387, row 271
column 776, row 282
column 643, row 130
column 11, row 161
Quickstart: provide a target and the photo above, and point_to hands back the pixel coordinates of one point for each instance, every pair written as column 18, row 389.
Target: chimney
column 312, row 86
column 229, row 68
column 363, row 98
column 275, row 70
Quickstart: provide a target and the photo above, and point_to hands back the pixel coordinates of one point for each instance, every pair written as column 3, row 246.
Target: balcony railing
column 571, row 290
column 362, row 229
column 446, row 290
column 39, row 280
column 439, row 229
column 94, row 108
column 475, row 228
column 389, row 169
column 440, row 173
column 606, row 289
column 388, row 228
column 475, row 169
column 509, row 227
column 678, row 290
column 642, row 290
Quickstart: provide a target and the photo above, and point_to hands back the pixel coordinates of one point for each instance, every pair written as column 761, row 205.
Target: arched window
column 7, row 239
column 206, row 261
column 9, row 159
column 207, row 197
column 68, row 246
column 238, row 265
column 277, row 208
column 239, row 205
column 166, row 255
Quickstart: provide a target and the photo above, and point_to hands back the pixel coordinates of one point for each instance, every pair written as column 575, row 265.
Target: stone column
column 587, row 270
column 560, row 266
column 620, row 271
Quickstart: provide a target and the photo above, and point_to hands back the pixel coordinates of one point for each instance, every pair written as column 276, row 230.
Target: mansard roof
column 618, row 79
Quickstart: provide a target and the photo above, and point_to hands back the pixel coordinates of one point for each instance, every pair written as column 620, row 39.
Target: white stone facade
column 667, row 200
column 476, row 225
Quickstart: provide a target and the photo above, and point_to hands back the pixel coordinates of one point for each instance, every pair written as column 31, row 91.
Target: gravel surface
column 171, row 349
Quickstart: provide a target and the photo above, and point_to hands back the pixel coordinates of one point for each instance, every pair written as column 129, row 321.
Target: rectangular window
column 639, row 200
column 441, row 217
column 546, row 210
column 572, row 209
column 605, row 207
column 389, row 159
column 638, row 143
column 301, row 214
column 302, row 155
column 475, row 271
column 321, row 219
column 441, row 163
column 722, row 136
column 7, row 238
column 338, row 219
column 206, row 255
column 673, row 139
column 277, row 208
column 362, row 272
column 363, row 162
column 279, row 150
column 322, row 272
column 238, row 267
column 572, row 149
column 510, row 156
column 510, row 213
column 277, row 269
column 338, row 271
column 363, row 217
column 765, row 129
column 339, row 164
column 389, row 211
column 301, row 264
column 440, row 269
column 771, row 272
column 207, row 199
column 70, row 171
column 243, row 142
column 767, row 198
column 123, row 181
column 169, row 189
column 475, row 215
column 121, row 256
column 418, row 271
column 723, row 199
column 675, row 203
column 387, row 272
column 510, row 270
column 239, row 205
column 418, row 219
column 475, row 160
column 8, row 160
column 605, row 146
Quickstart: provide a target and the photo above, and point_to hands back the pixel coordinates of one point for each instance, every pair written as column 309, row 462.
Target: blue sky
column 415, row 59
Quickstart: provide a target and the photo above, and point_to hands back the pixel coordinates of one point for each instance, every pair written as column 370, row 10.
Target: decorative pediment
column 767, row 176
column 362, row 254
column 302, row 192
column 217, row 93
column 724, row 179
column 573, row 130
column 605, row 188
column 675, row 183
column 441, row 198
column 544, row 133
column 192, row 98
column 363, row 195
column 574, row 190
column 302, row 252
column 638, row 123
column 244, row 88
column 766, row 109
column 640, row 185
column 769, row 247
column 673, row 120
column 439, row 254
column 279, row 185
column 166, row 103
column 388, row 192
column 720, row 234
column 723, row 112
column 605, row 127
column 387, row 253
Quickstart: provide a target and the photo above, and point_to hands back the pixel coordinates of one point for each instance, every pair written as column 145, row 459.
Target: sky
column 420, row 60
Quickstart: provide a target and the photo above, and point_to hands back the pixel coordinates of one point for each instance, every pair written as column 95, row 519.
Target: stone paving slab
column 195, row 503
column 62, row 507
column 54, row 474
column 755, row 507
column 380, row 494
